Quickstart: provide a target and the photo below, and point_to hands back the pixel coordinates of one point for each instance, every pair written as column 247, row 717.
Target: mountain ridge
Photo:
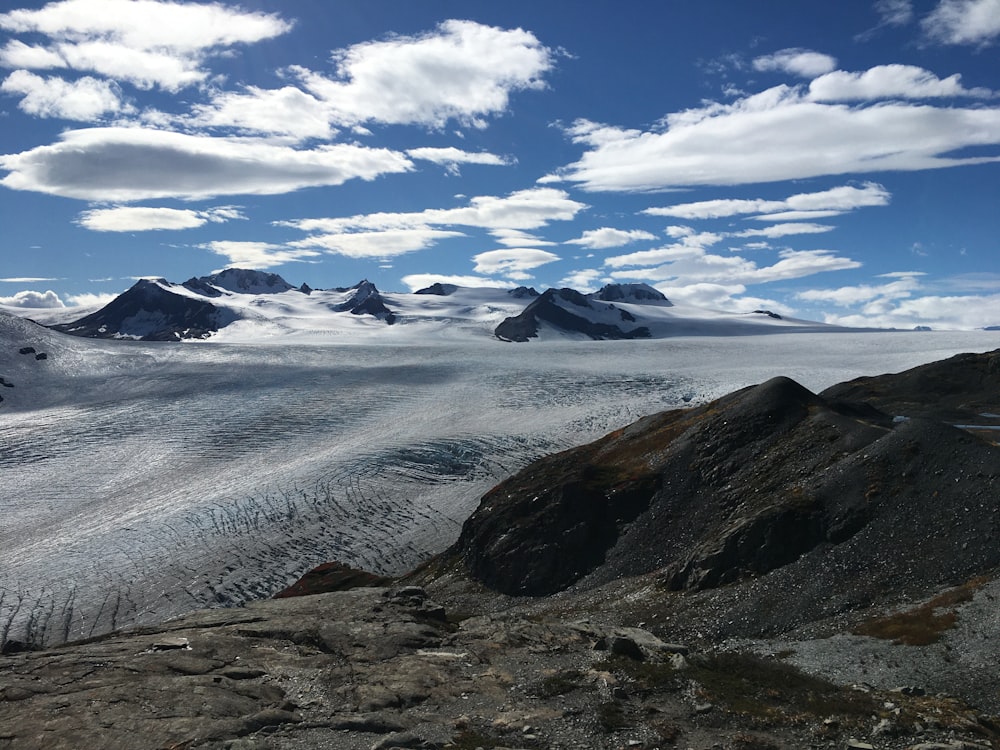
column 265, row 305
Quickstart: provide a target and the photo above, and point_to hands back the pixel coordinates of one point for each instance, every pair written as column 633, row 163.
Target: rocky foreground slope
column 690, row 581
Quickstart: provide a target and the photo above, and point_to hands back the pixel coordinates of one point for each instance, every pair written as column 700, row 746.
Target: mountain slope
column 771, row 487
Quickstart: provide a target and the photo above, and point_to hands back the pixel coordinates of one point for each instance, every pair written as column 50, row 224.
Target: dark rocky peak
column 365, row 299
column 306, row 289
column 439, row 289
column 635, row 293
column 523, row 292
column 547, row 308
column 768, row 313
column 202, row 286
column 570, row 295
column 247, row 281
column 150, row 310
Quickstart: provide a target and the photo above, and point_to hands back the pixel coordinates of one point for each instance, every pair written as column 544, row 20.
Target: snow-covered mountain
column 240, row 305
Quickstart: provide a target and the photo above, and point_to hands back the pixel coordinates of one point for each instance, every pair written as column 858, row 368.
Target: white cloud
column 849, row 296
column 961, row 312
column 512, row 262
column 605, row 237
column 148, row 218
column 423, row 280
column 800, row 62
column 975, row 22
column 888, row 82
column 85, row 99
column 785, row 230
column 128, row 164
column 33, row 300
column 684, row 266
column 450, row 158
column 147, row 42
column 778, row 135
column 377, row 244
column 586, row 280
column 894, row 12
column 728, row 297
column 521, row 210
column 519, row 238
column 463, row 71
column 257, row 255
column 691, row 245
column 27, row 279
column 797, row 215
column 287, row 111
column 839, row 199
column 89, row 299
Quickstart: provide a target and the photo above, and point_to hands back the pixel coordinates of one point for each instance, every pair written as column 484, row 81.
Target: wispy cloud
column 521, row 210
column 259, row 255
column 973, row 22
column 836, row 200
column 384, row 243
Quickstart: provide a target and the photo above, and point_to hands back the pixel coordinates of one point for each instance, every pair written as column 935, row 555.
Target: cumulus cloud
column 778, row 134
column 975, row 22
column 377, row 244
column 800, row 62
column 128, row 164
column 148, row 218
column 423, row 280
column 86, row 99
column 89, row 299
column 605, row 237
column 146, row 42
column 959, row 312
column 890, row 82
column 463, row 70
column 259, row 255
column 33, row 300
column 512, row 262
column 834, row 201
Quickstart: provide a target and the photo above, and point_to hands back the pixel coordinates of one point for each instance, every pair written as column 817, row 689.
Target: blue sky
column 831, row 161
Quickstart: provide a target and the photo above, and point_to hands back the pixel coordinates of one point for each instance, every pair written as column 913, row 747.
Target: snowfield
column 140, row 481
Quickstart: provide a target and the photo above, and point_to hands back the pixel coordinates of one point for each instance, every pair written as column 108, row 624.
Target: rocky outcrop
column 766, row 478
column 389, row 668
